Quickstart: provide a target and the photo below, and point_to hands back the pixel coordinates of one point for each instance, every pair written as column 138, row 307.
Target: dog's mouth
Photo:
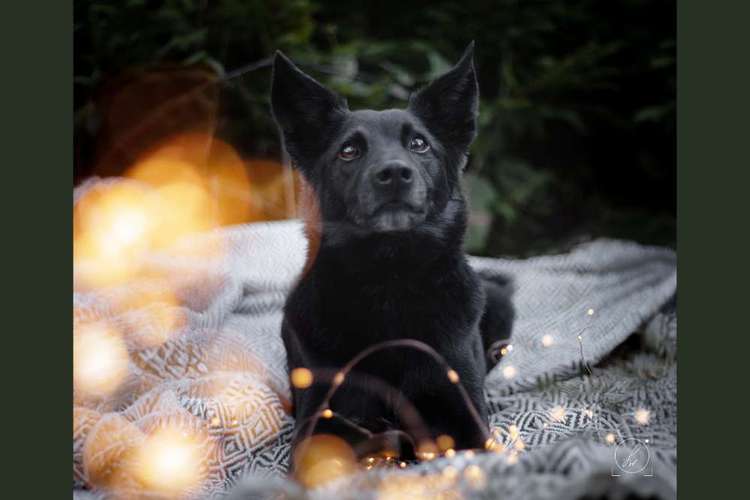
column 397, row 216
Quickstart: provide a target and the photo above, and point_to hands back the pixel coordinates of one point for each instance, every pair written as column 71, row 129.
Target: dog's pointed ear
column 304, row 110
column 449, row 105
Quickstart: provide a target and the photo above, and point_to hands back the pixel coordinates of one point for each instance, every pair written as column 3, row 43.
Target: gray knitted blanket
column 583, row 402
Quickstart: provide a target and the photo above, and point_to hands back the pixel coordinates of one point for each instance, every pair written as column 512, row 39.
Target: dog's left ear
column 304, row 110
column 449, row 105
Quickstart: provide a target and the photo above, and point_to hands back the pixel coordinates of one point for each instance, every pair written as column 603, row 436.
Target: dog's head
column 378, row 172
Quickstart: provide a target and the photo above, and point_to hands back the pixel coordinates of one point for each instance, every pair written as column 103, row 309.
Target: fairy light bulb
column 302, row 378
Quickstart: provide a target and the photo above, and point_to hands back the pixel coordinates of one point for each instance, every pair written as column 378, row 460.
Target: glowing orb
column 302, row 378
column 170, row 461
column 509, row 371
column 100, row 360
column 450, row 473
column 642, row 416
column 445, row 442
column 547, row 340
column 323, row 458
column 557, row 413
column 475, row 477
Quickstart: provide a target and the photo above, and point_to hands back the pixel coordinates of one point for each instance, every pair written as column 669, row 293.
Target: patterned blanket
column 584, row 401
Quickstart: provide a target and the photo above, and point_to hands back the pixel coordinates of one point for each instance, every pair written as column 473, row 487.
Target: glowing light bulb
column 475, row 477
column 302, row 378
column 170, row 461
column 322, row 458
column 453, row 376
column 513, row 431
column 450, row 473
column 557, row 413
column 509, row 371
column 642, row 416
column 547, row 340
column 610, row 438
column 100, row 360
column 445, row 442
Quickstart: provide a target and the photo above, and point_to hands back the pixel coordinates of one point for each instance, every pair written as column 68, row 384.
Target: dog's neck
column 385, row 254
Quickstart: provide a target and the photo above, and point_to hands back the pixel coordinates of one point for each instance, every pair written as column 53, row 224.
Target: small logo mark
column 633, row 456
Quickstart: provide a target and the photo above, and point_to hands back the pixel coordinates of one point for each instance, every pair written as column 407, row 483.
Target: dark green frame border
column 713, row 140
column 37, row 155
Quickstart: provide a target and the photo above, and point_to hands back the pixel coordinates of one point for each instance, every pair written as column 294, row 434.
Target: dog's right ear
column 306, row 112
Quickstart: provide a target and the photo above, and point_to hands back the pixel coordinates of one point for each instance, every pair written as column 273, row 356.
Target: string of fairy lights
column 504, row 441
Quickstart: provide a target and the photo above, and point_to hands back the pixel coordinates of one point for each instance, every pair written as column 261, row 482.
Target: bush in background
column 577, row 125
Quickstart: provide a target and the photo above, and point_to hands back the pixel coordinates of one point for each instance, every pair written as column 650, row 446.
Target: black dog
column 385, row 262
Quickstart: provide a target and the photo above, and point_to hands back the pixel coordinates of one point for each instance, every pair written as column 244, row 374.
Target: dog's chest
column 435, row 310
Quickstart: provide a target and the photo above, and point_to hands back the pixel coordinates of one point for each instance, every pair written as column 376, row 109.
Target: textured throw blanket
column 583, row 402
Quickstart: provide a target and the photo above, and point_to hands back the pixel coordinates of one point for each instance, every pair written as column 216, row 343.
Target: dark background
column 577, row 127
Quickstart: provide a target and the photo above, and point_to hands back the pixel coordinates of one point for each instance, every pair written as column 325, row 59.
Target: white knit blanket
column 221, row 374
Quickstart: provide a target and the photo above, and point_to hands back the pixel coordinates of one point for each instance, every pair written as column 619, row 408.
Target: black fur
column 385, row 261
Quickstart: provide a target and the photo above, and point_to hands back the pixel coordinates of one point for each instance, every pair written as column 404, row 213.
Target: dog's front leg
column 444, row 406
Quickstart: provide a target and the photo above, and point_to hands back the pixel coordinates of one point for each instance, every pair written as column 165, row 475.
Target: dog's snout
column 393, row 174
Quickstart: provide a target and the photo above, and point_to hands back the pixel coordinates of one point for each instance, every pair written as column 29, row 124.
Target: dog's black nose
column 393, row 174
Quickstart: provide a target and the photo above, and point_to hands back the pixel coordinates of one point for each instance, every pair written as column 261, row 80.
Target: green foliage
column 578, row 98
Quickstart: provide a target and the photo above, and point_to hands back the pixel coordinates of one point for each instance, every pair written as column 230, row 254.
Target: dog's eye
column 349, row 152
column 419, row 145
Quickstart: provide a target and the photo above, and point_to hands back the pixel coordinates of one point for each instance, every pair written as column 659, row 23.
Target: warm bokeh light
column 513, row 431
column 189, row 184
column 475, row 477
column 445, row 442
column 642, row 416
column 322, row 458
column 301, row 378
column 509, row 371
column 169, row 461
column 547, row 340
column 557, row 413
column 450, row 473
column 202, row 171
column 112, row 230
column 413, row 486
column 100, row 360
column 427, row 450
column 159, row 316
